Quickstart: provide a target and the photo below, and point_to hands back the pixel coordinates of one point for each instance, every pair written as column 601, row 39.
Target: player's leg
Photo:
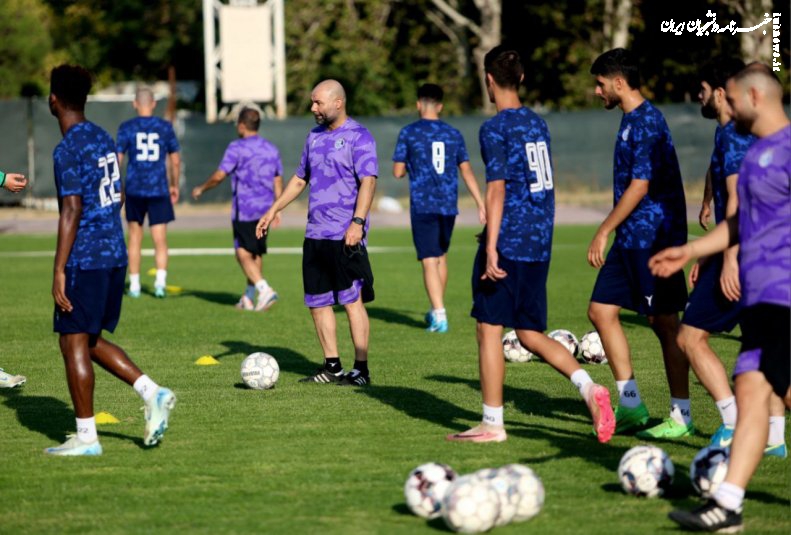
column 133, row 249
column 359, row 327
column 427, row 237
column 249, row 254
column 776, row 445
column 252, row 273
column 324, row 322
column 432, row 279
column 159, row 234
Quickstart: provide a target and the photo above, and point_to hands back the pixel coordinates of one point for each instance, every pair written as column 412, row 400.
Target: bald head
column 756, row 99
column 329, row 103
column 144, row 101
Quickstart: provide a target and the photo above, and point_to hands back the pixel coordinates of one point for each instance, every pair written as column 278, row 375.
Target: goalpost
column 248, row 57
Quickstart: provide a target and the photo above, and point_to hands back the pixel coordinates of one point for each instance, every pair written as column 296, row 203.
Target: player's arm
column 68, row 223
column 472, row 186
column 292, row 190
column 214, row 180
column 13, row 182
column 673, row 259
column 277, row 189
column 399, row 169
column 175, row 173
column 365, row 197
column 637, row 189
column 729, row 278
column 495, row 200
column 705, row 209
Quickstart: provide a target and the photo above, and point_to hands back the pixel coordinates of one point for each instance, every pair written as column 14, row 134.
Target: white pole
column 280, row 59
column 209, row 61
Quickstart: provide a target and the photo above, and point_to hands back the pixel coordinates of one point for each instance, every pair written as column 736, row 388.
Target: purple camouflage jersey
column 253, row 162
column 765, row 221
column 334, row 162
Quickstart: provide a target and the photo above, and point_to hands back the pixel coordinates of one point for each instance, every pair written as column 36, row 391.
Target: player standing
column 90, row 265
column 431, row 150
column 254, row 163
column 151, row 143
column 340, row 164
column 511, row 267
column 649, row 214
column 762, row 230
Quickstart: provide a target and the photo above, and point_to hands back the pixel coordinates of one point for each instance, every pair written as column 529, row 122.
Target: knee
column 689, row 340
column 598, row 315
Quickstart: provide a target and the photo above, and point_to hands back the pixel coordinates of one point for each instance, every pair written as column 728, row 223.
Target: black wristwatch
column 358, row 220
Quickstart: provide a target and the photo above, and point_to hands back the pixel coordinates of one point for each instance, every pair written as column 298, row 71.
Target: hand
column 669, row 261
column 197, row 191
column 493, row 271
column 353, row 234
column 482, row 215
column 174, row 194
column 14, row 182
column 59, row 292
column 263, row 224
column 729, row 279
column 705, row 216
column 693, row 274
column 596, row 249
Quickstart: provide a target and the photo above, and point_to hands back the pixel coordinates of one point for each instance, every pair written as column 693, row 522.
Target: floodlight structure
column 248, row 57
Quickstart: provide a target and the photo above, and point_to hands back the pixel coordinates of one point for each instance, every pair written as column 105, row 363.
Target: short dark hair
column 505, row 66
column 430, row 92
column 71, row 84
column 250, row 118
column 716, row 71
column 617, row 62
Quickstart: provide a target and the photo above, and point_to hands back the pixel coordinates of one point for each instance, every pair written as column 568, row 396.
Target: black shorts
column 766, row 345
column 244, row 237
column 431, row 234
column 96, row 296
column 334, row 274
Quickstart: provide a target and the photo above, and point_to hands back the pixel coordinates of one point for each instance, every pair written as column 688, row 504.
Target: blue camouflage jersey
column 644, row 151
column 86, row 165
column 147, row 141
column 729, row 149
column 515, row 148
column 432, row 151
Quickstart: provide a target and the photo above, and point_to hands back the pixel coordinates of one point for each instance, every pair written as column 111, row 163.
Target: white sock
column 582, row 381
column 134, row 282
column 162, row 275
column 680, row 411
column 493, row 415
column 440, row 314
column 145, row 387
column 262, row 286
column 629, row 395
column 777, row 430
column 86, row 430
column 727, row 408
column 729, row 496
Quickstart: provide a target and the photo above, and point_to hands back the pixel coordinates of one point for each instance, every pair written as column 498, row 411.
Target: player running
column 431, row 150
column 510, row 271
column 90, row 265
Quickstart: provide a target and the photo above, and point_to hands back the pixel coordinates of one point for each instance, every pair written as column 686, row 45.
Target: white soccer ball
column 567, row 339
column 506, row 487
column 471, row 505
column 591, row 349
column 513, row 350
column 260, row 371
column 708, row 470
column 529, row 490
column 425, row 488
column 645, row 471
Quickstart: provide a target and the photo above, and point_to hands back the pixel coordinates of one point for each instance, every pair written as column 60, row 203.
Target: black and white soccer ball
column 646, row 471
column 471, row 505
column 260, row 371
column 567, row 339
column 513, row 350
column 529, row 491
column 425, row 488
column 591, row 349
column 708, row 470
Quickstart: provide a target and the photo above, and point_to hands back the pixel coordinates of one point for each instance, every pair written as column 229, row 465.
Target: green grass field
column 316, row 458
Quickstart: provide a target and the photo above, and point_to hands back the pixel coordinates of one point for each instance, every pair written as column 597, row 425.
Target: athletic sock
column 629, row 395
column 250, row 292
column 333, row 364
column 582, row 381
column 86, row 430
column 145, row 387
column 493, row 415
column 440, row 314
column 361, row 366
column 134, row 282
column 729, row 496
column 680, row 411
column 162, row 276
column 262, row 286
column 777, row 428
column 727, row 408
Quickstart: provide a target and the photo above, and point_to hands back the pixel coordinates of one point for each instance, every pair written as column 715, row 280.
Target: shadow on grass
column 221, row 298
column 389, row 315
column 288, row 359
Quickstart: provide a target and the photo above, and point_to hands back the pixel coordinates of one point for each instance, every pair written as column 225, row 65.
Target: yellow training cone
column 207, row 360
column 151, row 272
column 174, row 290
column 106, row 418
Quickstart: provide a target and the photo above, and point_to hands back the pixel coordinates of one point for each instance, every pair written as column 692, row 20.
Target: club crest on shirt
column 625, row 134
column 339, row 143
column 765, row 159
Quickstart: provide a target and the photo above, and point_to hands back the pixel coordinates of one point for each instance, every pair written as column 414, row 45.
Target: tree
column 756, row 45
column 24, row 47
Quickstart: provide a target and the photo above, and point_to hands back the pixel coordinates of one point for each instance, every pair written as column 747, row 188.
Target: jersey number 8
column 438, row 156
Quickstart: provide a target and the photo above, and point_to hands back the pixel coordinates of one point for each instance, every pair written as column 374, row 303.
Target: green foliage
column 24, row 45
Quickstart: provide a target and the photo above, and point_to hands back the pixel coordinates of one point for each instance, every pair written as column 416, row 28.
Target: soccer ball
column 645, row 471
column 506, row 487
column 260, row 371
column 426, row 486
column 471, row 505
column 591, row 349
column 568, row 340
column 513, row 350
column 529, row 489
column 708, row 470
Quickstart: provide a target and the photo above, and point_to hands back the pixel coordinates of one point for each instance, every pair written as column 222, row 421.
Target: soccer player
column 510, row 270
column 762, row 231
column 340, row 165
column 254, row 163
column 90, row 265
column 151, row 144
column 649, row 214
column 430, row 150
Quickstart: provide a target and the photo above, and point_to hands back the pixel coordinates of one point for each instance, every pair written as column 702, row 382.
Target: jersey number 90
column 538, row 161
column 108, row 194
column 147, row 147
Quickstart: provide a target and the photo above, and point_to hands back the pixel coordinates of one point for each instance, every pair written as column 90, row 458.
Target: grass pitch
column 316, row 458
